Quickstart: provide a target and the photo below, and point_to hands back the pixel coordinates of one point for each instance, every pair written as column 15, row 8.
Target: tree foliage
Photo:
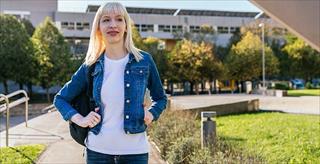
column 53, row 55
column 159, row 55
column 304, row 61
column 16, row 51
column 244, row 61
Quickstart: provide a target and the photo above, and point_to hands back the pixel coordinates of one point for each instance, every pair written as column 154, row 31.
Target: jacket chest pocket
column 140, row 74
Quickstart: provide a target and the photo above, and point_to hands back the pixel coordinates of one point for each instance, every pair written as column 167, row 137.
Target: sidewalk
column 297, row 105
column 52, row 130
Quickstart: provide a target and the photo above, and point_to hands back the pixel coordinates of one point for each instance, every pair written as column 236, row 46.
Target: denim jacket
column 137, row 77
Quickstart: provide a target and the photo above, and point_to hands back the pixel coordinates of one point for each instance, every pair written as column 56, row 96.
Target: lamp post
column 263, row 57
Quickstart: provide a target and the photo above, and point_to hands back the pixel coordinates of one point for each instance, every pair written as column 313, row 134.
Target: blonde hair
column 96, row 45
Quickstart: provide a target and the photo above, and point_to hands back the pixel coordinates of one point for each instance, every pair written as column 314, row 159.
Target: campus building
column 156, row 22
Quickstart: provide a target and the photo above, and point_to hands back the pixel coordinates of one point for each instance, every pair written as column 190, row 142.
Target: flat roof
column 186, row 12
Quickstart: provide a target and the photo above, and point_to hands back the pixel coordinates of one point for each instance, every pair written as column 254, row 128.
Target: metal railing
column 7, row 105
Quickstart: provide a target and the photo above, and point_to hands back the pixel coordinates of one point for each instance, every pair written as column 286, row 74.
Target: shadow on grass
column 24, row 155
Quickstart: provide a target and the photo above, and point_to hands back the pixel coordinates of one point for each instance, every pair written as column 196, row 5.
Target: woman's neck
column 115, row 51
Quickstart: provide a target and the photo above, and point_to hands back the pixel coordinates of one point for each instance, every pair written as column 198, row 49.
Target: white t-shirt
column 112, row 139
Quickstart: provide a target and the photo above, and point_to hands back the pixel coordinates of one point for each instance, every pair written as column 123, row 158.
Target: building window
column 234, row 29
column 18, row 14
column 79, row 26
column 195, row 29
column 223, row 30
column 147, row 27
column 164, row 28
column 82, row 26
column 176, row 28
column 86, row 26
column 70, row 25
column 64, row 25
column 137, row 26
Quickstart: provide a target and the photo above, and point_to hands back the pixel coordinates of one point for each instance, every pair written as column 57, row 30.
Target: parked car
column 297, row 84
column 316, row 83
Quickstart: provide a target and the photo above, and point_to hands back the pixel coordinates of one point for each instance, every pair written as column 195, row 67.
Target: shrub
column 201, row 156
column 182, row 150
column 309, row 85
column 169, row 127
column 282, row 86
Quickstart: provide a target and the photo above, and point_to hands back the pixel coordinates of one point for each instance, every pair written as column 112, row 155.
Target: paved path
column 52, row 130
column 302, row 105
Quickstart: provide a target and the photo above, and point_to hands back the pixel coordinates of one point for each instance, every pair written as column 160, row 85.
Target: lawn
column 274, row 137
column 21, row 154
column 261, row 137
column 304, row 92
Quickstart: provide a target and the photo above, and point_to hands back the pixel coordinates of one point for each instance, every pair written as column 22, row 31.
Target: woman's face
column 112, row 27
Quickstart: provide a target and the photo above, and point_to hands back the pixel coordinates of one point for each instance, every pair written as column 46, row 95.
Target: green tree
column 53, row 56
column 194, row 62
column 137, row 40
column 16, row 52
column 159, row 55
column 28, row 26
column 244, row 61
column 211, row 68
column 304, row 61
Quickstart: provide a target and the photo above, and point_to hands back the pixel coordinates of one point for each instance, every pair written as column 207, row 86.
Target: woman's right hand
column 91, row 120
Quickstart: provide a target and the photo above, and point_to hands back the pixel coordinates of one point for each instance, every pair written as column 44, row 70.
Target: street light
column 263, row 57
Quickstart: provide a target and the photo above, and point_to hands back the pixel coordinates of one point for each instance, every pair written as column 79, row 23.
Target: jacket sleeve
column 69, row 91
column 157, row 93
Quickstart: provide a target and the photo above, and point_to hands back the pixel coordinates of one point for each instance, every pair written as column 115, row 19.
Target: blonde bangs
column 113, row 8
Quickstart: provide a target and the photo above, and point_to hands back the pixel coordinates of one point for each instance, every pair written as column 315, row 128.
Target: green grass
column 304, row 92
column 21, row 154
column 275, row 137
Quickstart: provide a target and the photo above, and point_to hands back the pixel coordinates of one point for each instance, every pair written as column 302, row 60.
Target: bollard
column 208, row 128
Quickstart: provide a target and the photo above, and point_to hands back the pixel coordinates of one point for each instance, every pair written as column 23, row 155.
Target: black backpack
column 84, row 104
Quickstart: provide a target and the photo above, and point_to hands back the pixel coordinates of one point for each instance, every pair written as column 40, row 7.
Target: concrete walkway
column 300, row 105
column 52, row 130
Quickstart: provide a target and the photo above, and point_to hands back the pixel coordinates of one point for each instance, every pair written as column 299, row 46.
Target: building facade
column 155, row 22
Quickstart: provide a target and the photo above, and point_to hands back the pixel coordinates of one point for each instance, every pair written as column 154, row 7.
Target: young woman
column 121, row 76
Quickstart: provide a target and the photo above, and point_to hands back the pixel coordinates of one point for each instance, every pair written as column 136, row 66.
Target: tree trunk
column 210, row 87
column 191, row 87
column 48, row 95
column 202, row 85
column 20, row 86
column 29, row 86
column 171, row 89
column 214, row 86
column 197, row 88
column 5, row 87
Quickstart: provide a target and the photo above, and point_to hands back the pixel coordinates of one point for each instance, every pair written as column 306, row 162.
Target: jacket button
column 141, row 71
column 127, row 72
column 128, row 101
column 128, row 85
column 127, row 116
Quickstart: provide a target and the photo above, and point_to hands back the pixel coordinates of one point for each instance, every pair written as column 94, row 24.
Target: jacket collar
column 100, row 60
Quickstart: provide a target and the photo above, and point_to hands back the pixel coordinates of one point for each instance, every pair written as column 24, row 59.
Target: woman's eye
column 120, row 19
column 105, row 20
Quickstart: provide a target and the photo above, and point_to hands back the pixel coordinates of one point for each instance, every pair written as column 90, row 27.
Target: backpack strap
column 90, row 85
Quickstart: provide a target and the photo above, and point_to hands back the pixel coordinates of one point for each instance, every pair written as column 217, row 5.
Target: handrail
column 15, row 103
column 8, row 115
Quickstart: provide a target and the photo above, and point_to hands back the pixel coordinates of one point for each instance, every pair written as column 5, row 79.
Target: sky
column 221, row 5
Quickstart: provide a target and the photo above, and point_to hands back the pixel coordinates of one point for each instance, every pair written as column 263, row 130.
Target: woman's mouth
column 112, row 33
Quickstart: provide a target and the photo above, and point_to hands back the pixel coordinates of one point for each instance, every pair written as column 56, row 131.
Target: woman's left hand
column 148, row 117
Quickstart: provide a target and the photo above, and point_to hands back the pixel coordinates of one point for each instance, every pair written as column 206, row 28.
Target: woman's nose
column 112, row 23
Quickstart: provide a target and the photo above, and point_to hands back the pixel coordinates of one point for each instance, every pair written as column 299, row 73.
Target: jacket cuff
column 154, row 113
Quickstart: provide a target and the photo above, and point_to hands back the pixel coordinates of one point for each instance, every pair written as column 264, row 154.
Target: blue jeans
column 99, row 158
